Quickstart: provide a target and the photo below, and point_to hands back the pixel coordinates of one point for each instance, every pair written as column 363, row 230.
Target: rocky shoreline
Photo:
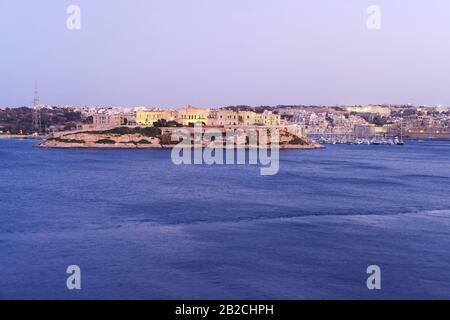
column 144, row 139
column 132, row 146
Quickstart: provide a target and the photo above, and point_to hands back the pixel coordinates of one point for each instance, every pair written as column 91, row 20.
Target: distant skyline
column 173, row 53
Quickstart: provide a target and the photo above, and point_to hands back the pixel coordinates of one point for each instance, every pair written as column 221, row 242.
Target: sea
column 140, row 227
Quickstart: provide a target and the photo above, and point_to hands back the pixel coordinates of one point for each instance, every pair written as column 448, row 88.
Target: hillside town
column 336, row 124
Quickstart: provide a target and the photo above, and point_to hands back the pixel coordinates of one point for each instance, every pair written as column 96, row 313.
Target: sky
column 212, row 53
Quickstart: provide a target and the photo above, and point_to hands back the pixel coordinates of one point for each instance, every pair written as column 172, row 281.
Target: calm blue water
column 141, row 227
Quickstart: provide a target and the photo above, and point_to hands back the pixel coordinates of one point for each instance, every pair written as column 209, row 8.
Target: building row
column 209, row 117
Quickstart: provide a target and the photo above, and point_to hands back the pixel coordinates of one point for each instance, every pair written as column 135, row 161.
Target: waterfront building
column 247, row 118
column 364, row 131
column 243, row 118
column 268, row 118
column 149, row 117
column 223, row 118
column 442, row 133
column 190, row 116
column 108, row 120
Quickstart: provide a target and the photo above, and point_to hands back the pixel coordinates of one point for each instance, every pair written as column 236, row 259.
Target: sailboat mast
column 401, row 126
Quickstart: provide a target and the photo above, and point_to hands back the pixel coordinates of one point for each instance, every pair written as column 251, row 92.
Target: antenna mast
column 37, row 122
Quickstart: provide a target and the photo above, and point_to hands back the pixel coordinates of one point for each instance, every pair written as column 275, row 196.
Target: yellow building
column 108, row 121
column 371, row 109
column 190, row 116
column 148, row 118
column 243, row 118
column 247, row 118
column 224, row 118
column 268, row 119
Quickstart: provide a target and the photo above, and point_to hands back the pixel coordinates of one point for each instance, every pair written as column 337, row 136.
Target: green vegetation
column 105, row 141
column 67, row 140
column 166, row 124
column 192, row 124
column 19, row 120
column 166, row 139
column 298, row 140
column 146, row 131
column 143, row 141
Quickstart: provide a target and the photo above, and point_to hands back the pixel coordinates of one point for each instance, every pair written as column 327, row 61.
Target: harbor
column 144, row 228
column 350, row 139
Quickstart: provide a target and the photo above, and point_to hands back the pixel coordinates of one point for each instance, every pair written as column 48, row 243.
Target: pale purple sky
column 171, row 53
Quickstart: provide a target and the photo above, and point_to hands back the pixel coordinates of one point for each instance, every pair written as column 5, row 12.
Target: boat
column 399, row 142
column 375, row 142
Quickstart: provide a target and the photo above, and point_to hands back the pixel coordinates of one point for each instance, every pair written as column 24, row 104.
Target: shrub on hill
column 105, row 141
column 298, row 140
column 146, row 131
column 67, row 140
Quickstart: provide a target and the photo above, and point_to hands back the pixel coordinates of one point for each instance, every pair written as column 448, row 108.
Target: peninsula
column 125, row 137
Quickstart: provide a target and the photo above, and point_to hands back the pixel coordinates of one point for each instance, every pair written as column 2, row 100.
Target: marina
column 350, row 139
